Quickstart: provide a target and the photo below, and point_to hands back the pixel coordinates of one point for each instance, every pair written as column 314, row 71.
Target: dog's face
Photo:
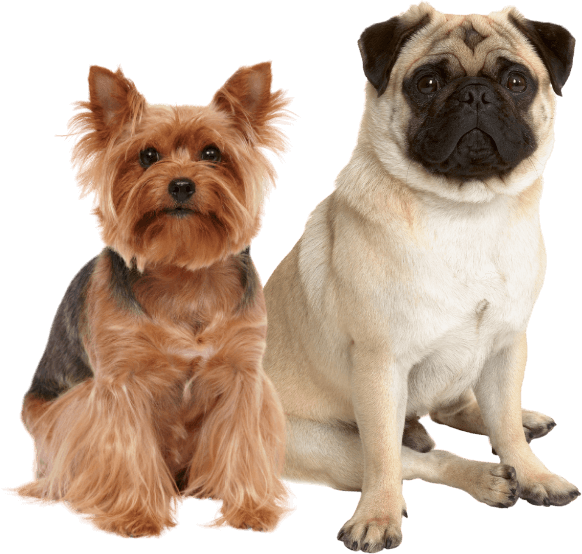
column 463, row 106
column 178, row 185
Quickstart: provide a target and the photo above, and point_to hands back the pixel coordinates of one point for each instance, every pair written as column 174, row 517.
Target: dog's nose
column 181, row 189
column 476, row 95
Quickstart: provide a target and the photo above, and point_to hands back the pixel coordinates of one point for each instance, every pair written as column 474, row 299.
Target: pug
column 410, row 291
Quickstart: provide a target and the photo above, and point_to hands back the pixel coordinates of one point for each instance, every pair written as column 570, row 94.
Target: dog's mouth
column 475, row 154
column 153, row 217
column 179, row 211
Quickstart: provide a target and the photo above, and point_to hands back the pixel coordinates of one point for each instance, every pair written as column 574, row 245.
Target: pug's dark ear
column 381, row 44
column 553, row 44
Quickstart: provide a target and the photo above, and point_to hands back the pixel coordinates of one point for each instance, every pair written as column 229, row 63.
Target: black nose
column 477, row 95
column 181, row 189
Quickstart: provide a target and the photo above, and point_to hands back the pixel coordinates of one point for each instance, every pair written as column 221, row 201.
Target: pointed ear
column 248, row 98
column 113, row 103
column 113, row 99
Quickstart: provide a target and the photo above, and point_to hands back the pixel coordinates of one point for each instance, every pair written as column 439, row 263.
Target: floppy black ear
column 553, row 44
column 380, row 45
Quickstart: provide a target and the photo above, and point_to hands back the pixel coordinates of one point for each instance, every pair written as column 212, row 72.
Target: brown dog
column 151, row 385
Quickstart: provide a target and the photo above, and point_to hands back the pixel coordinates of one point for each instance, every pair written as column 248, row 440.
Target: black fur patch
column 64, row 363
column 122, row 280
column 249, row 279
column 472, row 38
column 553, row 44
column 381, row 44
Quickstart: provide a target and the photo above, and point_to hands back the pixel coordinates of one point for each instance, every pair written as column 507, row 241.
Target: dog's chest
column 476, row 279
column 461, row 308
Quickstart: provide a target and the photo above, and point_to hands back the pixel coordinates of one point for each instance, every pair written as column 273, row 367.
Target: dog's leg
column 379, row 394
column 97, row 449
column 325, row 453
column 466, row 416
column 498, row 392
column 239, row 452
column 331, row 454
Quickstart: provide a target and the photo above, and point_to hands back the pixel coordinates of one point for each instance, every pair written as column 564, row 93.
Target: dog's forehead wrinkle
column 455, row 51
column 472, row 37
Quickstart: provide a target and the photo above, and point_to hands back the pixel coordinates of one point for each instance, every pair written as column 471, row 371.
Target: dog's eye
column 516, row 82
column 428, row 84
column 148, row 157
column 211, row 154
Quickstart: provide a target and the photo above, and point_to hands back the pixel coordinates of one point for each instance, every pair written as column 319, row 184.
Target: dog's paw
column 257, row 519
column 416, row 436
column 548, row 490
column 536, row 425
column 495, row 485
column 133, row 527
column 371, row 535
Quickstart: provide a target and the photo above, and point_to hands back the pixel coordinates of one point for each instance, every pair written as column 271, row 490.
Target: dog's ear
column 113, row 102
column 113, row 99
column 247, row 97
column 553, row 44
column 380, row 45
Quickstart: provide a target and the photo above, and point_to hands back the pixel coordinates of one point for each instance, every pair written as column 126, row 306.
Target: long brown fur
column 178, row 402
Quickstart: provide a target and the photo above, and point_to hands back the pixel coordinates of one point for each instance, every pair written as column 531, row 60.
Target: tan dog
column 410, row 291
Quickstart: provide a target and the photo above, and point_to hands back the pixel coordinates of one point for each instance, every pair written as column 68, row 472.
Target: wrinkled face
column 187, row 185
column 470, row 127
column 468, row 108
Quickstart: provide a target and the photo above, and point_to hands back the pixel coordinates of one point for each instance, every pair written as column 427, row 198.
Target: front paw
column 132, row 525
column 547, row 490
column 371, row 534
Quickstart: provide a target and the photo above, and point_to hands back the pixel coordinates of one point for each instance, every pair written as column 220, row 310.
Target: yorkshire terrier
column 151, row 385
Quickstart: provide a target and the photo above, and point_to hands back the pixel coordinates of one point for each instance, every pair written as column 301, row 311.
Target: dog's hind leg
column 466, row 416
column 326, row 453
column 416, row 436
column 331, row 454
